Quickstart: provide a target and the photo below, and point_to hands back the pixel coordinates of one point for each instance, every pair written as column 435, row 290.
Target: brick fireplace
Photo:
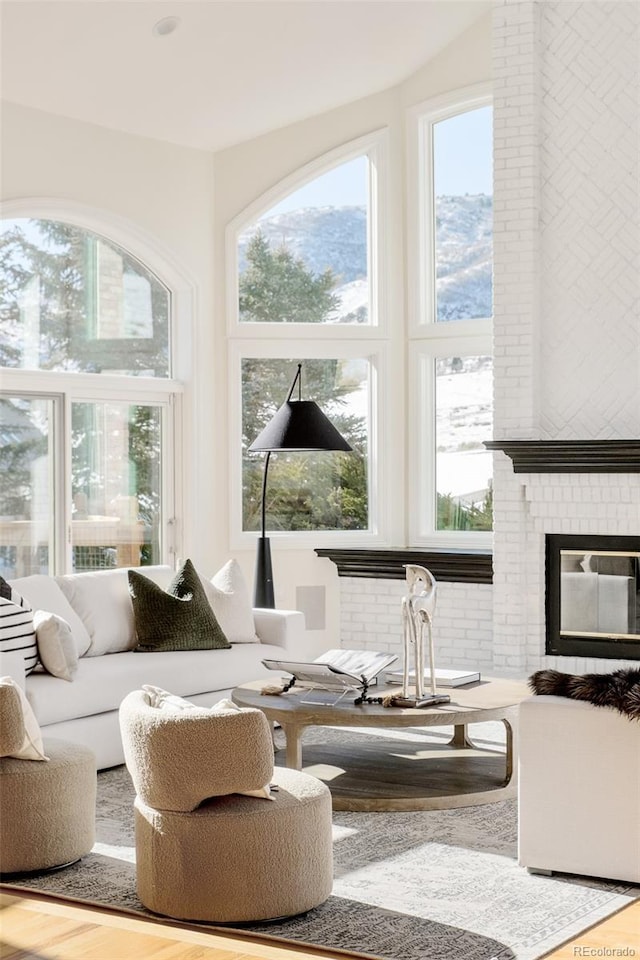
column 584, row 504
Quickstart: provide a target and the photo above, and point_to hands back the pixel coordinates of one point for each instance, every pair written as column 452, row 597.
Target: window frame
column 428, row 338
column 421, row 212
column 67, row 387
column 297, row 351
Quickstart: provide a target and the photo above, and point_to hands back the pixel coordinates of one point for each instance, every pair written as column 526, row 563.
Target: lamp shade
column 299, row 425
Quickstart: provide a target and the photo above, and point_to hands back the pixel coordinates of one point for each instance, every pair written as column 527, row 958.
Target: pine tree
column 277, row 287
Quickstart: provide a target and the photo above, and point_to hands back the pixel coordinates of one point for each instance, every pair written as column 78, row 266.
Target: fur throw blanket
column 620, row 689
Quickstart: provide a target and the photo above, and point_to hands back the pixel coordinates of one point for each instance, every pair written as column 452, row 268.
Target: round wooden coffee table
column 379, row 773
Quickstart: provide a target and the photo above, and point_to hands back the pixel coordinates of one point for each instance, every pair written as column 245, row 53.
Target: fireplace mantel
column 570, row 456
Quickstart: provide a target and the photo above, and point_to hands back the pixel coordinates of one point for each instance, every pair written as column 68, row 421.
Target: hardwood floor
column 35, row 927
column 606, row 939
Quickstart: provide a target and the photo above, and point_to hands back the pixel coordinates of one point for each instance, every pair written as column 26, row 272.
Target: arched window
column 72, row 301
column 86, row 405
column 305, row 287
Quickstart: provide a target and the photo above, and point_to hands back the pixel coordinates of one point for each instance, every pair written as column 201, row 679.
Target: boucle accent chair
column 47, row 808
column 204, row 852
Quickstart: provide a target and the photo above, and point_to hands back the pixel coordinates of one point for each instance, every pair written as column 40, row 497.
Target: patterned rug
column 432, row 885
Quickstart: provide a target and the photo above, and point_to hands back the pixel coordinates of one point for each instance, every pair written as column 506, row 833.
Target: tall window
column 462, row 192
column 303, row 268
column 86, row 405
column 451, row 331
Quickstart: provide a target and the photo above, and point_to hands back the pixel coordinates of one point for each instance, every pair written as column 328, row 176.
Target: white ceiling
column 233, row 69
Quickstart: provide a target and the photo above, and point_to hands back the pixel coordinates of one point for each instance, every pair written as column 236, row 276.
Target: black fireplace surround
column 593, row 596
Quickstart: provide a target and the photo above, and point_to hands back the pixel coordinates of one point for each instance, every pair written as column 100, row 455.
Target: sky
column 457, row 170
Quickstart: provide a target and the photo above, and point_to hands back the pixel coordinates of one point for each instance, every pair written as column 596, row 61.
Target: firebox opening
column 593, row 596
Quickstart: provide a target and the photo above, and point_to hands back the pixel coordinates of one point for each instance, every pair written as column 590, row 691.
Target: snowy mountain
column 336, row 238
column 463, row 257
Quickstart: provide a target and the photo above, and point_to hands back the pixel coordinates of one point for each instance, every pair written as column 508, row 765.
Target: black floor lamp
column 301, row 426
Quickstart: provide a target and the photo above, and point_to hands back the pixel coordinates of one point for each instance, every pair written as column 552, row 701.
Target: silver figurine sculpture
column 418, row 608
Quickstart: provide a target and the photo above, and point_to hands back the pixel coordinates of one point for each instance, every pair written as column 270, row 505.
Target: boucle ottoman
column 47, row 808
column 237, row 859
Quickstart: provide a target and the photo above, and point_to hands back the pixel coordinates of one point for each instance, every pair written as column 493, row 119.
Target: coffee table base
column 399, row 775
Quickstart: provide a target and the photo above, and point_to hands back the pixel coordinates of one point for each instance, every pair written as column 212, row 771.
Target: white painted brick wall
column 590, row 219
column 515, row 218
column 566, row 287
column 462, row 627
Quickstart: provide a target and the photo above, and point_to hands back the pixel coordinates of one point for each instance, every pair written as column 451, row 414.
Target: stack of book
column 444, row 678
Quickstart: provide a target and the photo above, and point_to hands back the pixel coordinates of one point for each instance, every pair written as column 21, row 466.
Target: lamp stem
column 263, row 507
column 263, row 595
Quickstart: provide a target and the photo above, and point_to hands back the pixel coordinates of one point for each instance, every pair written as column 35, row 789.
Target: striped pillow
column 16, row 626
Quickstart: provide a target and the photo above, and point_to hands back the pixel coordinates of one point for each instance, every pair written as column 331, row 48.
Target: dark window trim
column 570, row 456
column 449, row 566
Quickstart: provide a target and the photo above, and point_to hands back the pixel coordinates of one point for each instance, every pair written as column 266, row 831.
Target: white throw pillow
column 163, row 700
column 228, row 594
column 56, row 646
column 43, row 593
column 102, row 601
column 32, row 747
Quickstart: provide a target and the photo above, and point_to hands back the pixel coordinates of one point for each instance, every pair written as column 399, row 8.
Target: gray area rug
column 432, row 885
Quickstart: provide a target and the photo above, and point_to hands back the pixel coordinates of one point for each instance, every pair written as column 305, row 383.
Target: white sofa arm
column 579, row 789
column 282, row 628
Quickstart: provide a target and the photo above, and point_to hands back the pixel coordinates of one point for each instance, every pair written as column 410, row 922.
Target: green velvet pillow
column 178, row 619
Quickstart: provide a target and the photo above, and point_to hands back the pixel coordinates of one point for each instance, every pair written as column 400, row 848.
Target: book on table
column 444, row 678
column 337, row 669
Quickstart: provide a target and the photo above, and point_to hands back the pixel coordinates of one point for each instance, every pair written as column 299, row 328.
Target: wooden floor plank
column 36, row 927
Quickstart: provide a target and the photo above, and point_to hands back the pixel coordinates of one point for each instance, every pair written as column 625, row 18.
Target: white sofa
column 579, row 789
column 98, row 608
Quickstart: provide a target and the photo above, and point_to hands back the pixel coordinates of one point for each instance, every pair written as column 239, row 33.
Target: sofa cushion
column 228, row 594
column 43, row 593
column 56, row 647
column 178, row 618
column 101, row 683
column 101, row 600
